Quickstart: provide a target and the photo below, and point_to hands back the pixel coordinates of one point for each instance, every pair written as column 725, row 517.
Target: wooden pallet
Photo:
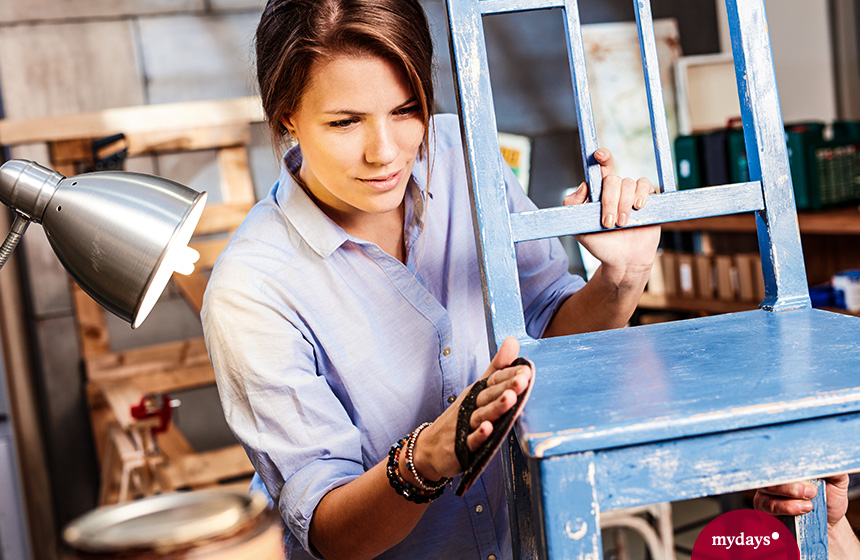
column 134, row 464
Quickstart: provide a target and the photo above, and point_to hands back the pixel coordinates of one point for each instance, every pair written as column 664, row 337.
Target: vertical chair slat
column 484, row 159
column 764, row 134
column 654, row 91
column 582, row 98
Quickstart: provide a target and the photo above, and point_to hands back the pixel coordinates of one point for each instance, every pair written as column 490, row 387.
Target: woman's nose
column 381, row 147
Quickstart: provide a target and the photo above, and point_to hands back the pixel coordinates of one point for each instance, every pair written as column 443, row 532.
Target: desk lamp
column 120, row 235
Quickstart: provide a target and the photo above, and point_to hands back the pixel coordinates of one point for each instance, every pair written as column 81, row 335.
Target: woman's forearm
column 842, row 542
column 606, row 302
column 363, row 518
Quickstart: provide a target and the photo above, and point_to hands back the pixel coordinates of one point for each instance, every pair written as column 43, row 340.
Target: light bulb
column 183, row 259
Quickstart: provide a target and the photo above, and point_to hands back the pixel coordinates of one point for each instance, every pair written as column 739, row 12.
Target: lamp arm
column 19, row 226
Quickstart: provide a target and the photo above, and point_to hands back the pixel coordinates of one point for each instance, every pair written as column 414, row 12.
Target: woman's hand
column 795, row 498
column 623, row 252
column 434, row 450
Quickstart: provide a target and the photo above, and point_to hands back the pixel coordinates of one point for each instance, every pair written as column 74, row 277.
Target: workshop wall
column 62, row 57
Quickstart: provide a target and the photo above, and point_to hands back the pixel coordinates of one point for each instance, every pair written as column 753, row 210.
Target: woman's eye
column 342, row 123
column 411, row 109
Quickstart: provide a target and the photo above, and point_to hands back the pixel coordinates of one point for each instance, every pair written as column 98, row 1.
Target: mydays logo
column 742, row 540
column 745, row 535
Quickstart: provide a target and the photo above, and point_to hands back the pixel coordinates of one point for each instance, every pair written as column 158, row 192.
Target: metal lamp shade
column 114, row 232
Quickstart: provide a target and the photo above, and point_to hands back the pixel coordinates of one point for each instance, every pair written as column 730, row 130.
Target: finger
column 625, row 200
column 609, row 200
column 515, row 379
column 839, row 480
column 796, row 490
column 579, row 196
column 479, row 435
column 494, row 410
column 606, row 161
column 780, row 506
column 644, row 189
column 507, row 353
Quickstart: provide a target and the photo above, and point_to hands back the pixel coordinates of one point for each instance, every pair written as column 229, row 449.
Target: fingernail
column 608, row 220
column 600, row 153
column 809, row 492
column 805, row 507
column 622, row 220
column 640, row 202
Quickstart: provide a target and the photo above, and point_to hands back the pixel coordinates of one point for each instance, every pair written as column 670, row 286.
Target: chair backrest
column 768, row 193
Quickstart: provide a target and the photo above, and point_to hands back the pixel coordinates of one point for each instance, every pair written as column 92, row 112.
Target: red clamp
column 154, row 406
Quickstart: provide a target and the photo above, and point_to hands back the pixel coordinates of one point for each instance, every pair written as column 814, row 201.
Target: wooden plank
column 192, row 287
column 236, row 183
column 209, row 251
column 187, row 139
column 173, row 444
column 169, row 380
column 149, row 359
column 93, row 335
column 209, row 467
column 132, row 120
column 222, row 217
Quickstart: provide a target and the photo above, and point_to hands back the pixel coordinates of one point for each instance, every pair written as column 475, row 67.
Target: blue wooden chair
column 675, row 410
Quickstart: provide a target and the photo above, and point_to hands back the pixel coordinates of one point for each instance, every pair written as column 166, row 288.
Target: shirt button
column 479, row 508
column 451, row 399
column 491, row 557
column 446, row 352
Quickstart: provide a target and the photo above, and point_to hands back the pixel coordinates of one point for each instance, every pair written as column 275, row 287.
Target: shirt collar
column 319, row 231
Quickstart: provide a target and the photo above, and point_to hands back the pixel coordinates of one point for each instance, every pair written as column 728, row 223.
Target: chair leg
column 571, row 528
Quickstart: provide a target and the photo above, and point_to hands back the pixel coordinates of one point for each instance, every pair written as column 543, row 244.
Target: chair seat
column 671, row 380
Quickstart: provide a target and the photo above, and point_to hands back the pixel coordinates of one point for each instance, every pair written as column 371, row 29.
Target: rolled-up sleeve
column 296, row 432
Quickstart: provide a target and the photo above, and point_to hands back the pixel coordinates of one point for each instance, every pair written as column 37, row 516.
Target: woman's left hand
column 623, row 252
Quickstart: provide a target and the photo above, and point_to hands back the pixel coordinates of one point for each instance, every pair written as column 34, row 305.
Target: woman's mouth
column 383, row 182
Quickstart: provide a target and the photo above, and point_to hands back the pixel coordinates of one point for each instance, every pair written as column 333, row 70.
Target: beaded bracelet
column 408, row 491
column 423, row 483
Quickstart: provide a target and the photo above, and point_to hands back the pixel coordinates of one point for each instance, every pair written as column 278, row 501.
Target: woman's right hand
column 434, row 453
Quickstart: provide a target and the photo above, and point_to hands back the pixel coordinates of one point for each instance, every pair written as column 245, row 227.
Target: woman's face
column 359, row 126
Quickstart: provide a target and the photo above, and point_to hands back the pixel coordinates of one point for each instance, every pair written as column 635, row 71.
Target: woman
column 347, row 311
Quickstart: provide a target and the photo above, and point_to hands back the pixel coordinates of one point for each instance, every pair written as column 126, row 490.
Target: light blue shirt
column 327, row 350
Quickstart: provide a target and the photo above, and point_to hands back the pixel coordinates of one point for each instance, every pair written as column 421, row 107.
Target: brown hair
column 294, row 34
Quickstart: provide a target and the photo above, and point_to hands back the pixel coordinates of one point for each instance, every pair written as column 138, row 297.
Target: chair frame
column 566, row 465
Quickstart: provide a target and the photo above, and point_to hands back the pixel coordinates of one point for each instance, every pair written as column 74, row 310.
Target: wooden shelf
column 833, row 221
column 675, row 303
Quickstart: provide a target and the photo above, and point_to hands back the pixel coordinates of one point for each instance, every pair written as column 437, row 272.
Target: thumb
column 508, row 352
column 576, row 197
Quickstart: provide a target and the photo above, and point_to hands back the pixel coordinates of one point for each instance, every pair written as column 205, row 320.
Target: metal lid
column 162, row 522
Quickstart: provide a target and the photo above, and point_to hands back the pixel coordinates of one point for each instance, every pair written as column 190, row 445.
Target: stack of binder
column 825, row 171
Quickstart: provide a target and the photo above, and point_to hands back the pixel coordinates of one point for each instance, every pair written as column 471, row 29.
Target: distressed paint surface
column 722, row 462
column 671, row 206
column 571, row 513
column 691, row 377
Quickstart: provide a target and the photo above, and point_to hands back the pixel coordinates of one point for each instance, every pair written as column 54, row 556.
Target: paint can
column 199, row 525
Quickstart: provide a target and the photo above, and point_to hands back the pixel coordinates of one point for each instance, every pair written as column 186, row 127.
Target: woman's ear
column 289, row 126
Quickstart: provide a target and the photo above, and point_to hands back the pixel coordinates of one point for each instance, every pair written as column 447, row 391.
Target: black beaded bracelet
column 423, row 483
column 408, row 491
